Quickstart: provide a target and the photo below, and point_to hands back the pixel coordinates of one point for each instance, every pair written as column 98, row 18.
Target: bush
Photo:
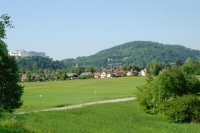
column 173, row 93
column 182, row 109
column 145, row 96
column 135, row 73
column 82, row 77
column 123, row 75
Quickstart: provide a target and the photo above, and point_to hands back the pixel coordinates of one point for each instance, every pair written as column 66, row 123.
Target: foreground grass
column 70, row 92
column 120, row 117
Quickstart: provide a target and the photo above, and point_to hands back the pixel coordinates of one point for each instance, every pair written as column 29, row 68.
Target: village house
column 143, row 72
column 107, row 73
column 110, row 73
column 86, row 74
column 103, row 74
column 118, row 72
column 72, row 75
column 97, row 75
column 129, row 73
column 132, row 72
column 23, row 78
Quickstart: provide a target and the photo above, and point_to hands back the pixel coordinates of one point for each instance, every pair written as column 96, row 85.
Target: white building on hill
column 23, row 53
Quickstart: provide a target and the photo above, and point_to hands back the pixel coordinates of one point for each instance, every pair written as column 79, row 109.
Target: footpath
column 82, row 105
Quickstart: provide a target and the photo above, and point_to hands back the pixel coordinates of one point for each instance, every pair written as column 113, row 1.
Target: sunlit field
column 100, row 118
column 123, row 117
column 70, row 92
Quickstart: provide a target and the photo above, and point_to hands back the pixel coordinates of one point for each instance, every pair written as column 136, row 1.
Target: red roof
column 119, row 71
column 96, row 73
column 107, row 71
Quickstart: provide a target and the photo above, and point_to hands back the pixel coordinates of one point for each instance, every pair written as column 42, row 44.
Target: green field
column 123, row 117
column 70, row 92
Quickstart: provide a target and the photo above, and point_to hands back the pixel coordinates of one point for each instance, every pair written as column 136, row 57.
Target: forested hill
column 139, row 53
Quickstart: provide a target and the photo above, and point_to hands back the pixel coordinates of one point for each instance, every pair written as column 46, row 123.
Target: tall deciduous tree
column 10, row 90
column 155, row 67
column 191, row 66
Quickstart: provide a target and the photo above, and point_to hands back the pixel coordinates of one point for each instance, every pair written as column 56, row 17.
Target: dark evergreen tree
column 10, row 90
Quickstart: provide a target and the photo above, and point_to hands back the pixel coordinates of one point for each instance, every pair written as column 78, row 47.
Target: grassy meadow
column 71, row 92
column 122, row 117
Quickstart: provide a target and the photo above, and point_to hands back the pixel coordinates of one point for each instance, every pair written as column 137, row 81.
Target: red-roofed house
column 118, row 72
column 97, row 75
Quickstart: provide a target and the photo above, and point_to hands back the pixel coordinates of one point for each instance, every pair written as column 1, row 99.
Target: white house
column 143, row 72
column 107, row 74
column 103, row 74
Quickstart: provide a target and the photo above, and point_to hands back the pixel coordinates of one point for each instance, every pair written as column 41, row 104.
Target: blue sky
column 72, row 28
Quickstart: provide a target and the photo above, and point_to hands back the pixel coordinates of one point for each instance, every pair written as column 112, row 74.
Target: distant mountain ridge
column 139, row 53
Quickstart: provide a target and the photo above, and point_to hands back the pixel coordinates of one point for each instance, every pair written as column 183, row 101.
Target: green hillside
column 139, row 53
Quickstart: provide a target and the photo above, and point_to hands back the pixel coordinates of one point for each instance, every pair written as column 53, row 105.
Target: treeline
column 154, row 68
column 37, row 62
column 189, row 66
column 56, row 74
column 34, row 64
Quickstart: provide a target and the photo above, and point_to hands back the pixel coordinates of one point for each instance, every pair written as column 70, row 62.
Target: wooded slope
column 139, row 53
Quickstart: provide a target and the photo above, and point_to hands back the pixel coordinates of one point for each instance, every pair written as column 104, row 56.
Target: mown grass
column 123, row 117
column 70, row 92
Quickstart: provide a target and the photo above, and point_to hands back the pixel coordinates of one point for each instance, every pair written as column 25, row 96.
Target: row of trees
column 37, row 62
column 190, row 66
column 58, row 74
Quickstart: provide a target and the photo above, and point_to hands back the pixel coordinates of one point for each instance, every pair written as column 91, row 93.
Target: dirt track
column 82, row 105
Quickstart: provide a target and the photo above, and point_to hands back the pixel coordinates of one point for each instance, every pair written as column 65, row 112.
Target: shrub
column 135, row 73
column 123, row 75
column 181, row 109
column 82, row 77
column 10, row 124
column 164, row 95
